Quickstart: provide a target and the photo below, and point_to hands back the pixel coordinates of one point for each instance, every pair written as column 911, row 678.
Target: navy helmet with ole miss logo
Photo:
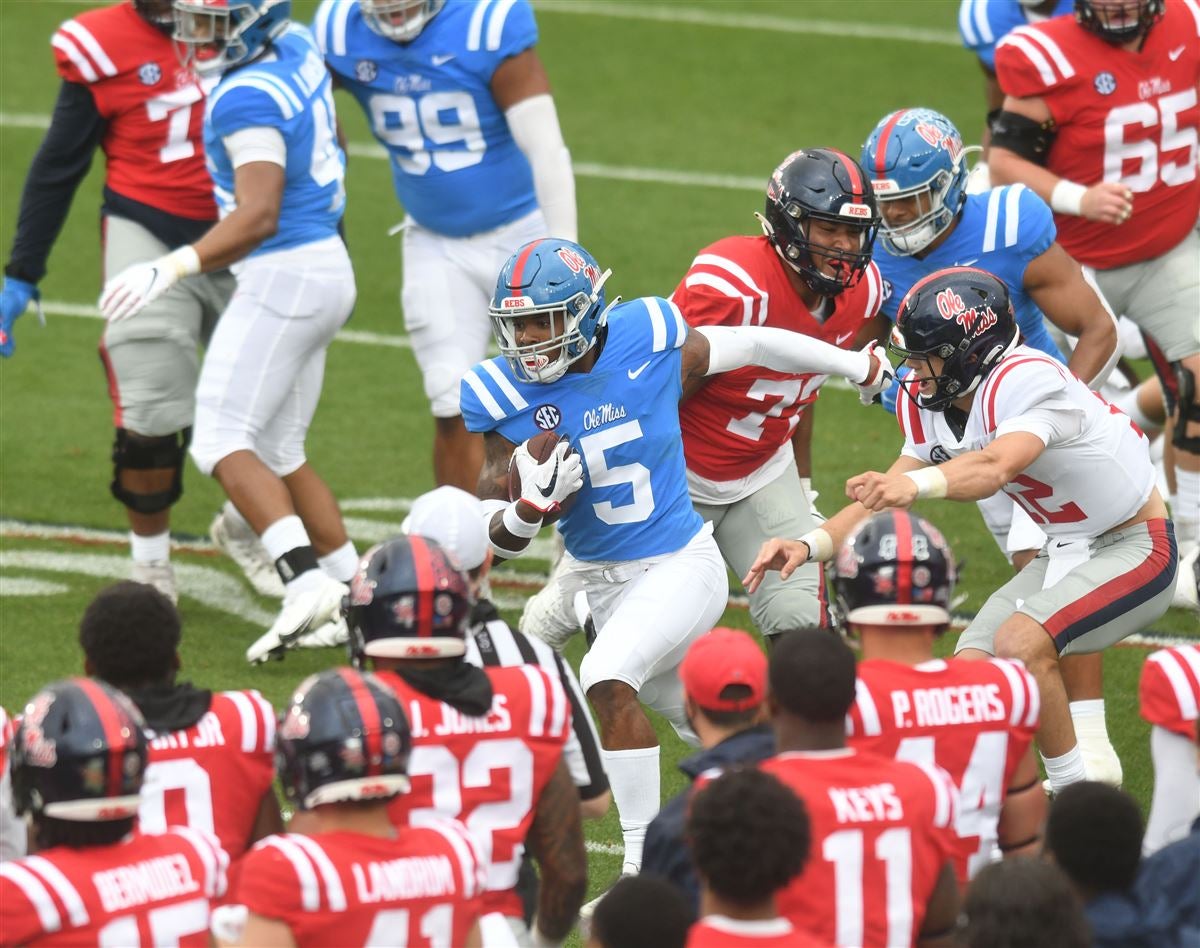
column 79, row 753
column 555, row 278
column 895, row 569
column 962, row 315
column 344, row 737
column 408, row 599
column 820, row 184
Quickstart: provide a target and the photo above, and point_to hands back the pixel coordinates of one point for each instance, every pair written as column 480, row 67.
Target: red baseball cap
column 724, row 657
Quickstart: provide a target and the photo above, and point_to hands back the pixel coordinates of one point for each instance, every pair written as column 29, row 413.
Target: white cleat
column 159, row 574
column 242, row 545
column 549, row 614
column 1100, row 762
column 1187, row 583
column 304, row 612
column 588, row 909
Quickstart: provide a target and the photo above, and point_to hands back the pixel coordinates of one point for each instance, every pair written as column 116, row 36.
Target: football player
column 12, row 829
column 458, row 96
column 487, row 742
column 352, row 878
column 79, row 757
column 1169, row 693
column 123, row 92
column 991, row 414
column 271, row 142
column 211, row 754
column 893, row 579
column 882, row 829
column 1101, row 119
column 610, row 377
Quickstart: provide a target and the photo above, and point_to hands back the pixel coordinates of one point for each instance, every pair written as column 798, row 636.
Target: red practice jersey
column 739, row 420
column 1121, row 116
column 150, row 889
column 423, row 888
column 1170, row 689
column 488, row 771
column 719, row 931
column 882, row 830
column 154, row 108
column 214, row 774
column 974, row 720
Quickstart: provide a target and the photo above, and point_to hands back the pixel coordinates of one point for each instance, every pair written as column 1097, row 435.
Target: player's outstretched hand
column 137, row 286
column 15, row 296
column 545, row 485
column 877, row 491
column 783, row 555
column 1107, row 201
column 879, row 377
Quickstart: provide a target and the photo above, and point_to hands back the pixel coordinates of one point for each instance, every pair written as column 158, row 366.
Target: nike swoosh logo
column 966, row 263
column 442, row 60
column 548, row 490
column 634, row 373
column 1176, row 53
column 843, row 338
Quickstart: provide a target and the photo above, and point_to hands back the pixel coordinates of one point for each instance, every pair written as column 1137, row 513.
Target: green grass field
column 675, row 115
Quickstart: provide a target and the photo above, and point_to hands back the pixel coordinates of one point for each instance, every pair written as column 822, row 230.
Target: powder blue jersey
column 455, row 165
column 984, row 23
column 288, row 89
column 623, row 419
column 1000, row 231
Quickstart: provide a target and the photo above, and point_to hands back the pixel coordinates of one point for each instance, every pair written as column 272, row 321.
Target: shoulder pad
column 1018, row 219
column 78, row 54
column 489, row 395
column 1030, row 61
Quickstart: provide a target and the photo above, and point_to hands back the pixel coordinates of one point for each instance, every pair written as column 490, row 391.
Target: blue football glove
column 15, row 296
column 889, row 396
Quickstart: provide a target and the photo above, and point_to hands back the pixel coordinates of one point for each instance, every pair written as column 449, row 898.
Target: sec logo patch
column 547, row 417
column 1105, row 83
column 149, row 74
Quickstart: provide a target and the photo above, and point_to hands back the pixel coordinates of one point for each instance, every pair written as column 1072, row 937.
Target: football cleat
column 588, row 909
column 242, row 545
column 158, row 573
column 304, row 611
column 1187, row 583
column 549, row 615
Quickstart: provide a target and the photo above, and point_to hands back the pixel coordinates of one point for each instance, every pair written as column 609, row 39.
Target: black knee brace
column 1188, row 409
column 134, row 452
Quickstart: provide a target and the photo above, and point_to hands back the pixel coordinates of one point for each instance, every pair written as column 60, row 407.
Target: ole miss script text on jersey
column 974, row 720
column 352, row 889
column 213, row 775
column 882, row 831
column 153, row 107
column 1170, row 689
column 147, row 890
column 739, row 421
column 486, row 771
column 1121, row 115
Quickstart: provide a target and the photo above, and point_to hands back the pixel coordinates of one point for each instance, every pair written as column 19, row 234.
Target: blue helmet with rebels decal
column 344, row 737
column 895, row 569
column 217, row 35
column 79, row 753
column 408, row 599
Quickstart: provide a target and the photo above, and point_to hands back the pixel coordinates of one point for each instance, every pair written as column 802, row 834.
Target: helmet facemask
column 1118, row 23
column 399, row 20
column 160, row 14
column 210, row 40
column 805, row 256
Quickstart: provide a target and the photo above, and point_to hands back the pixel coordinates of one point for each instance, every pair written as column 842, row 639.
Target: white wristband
column 1067, row 197
column 820, row 545
column 930, row 481
column 519, row 526
column 184, row 261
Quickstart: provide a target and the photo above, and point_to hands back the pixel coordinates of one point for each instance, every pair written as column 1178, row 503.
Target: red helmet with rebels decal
column 895, row 569
column 820, row 185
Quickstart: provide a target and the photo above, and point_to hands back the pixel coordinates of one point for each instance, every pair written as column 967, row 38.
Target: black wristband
column 295, row 562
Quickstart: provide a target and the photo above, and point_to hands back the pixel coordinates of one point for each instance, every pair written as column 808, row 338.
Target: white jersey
column 1095, row 472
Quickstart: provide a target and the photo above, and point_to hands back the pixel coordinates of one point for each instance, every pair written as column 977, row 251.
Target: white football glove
column 139, row 285
column 869, row 391
column 546, row 485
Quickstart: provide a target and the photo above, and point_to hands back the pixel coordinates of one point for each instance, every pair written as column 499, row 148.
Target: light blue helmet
column 916, row 153
column 217, row 35
column 555, row 278
column 399, row 20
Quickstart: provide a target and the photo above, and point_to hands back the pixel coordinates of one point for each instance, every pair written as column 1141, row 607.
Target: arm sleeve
column 781, row 350
column 534, row 126
column 256, row 144
column 1054, row 422
column 61, row 163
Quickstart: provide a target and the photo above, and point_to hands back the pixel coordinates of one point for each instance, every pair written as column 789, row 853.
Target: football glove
column 869, row 390
column 15, row 297
column 137, row 286
column 889, row 395
column 546, row 485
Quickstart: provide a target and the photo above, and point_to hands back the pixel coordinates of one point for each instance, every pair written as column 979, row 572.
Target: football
column 541, row 446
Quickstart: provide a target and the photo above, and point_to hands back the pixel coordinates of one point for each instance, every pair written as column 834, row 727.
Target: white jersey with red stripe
column 974, row 720
column 1169, row 689
column 148, row 889
column 488, row 771
column 213, row 775
column 1095, row 472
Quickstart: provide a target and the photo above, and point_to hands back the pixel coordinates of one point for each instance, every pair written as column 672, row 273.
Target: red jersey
column 720, row 931
column 342, row 888
column 1169, row 689
column 1121, row 116
column 974, row 720
column 882, row 830
column 154, row 108
column 740, row 420
column 214, row 774
column 487, row 771
column 146, row 890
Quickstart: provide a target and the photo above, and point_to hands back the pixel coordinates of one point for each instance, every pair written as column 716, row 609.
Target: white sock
column 153, row 549
column 232, row 514
column 341, row 564
column 1066, row 769
column 1185, row 510
column 636, row 788
column 284, row 535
